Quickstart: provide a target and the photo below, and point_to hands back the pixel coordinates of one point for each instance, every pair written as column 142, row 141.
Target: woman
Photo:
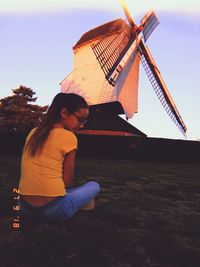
column 48, row 163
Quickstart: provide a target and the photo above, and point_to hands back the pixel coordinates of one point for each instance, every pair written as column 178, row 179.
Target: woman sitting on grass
column 48, row 164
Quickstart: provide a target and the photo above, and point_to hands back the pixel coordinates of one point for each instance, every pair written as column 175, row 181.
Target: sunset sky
column 36, row 40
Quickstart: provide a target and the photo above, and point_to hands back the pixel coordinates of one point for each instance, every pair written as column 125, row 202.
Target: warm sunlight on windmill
column 106, row 73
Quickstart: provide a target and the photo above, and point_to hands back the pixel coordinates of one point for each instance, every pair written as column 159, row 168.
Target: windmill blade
column 149, row 23
column 129, row 18
column 110, row 50
column 160, row 88
column 114, row 50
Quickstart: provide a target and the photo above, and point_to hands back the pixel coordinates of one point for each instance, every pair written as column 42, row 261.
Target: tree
column 17, row 113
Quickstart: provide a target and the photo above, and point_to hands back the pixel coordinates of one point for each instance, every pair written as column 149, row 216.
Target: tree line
column 19, row 113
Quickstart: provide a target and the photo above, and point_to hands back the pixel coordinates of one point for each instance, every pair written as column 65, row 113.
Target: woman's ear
column 64, row 113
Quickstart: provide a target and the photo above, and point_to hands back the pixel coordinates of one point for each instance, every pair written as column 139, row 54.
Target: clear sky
column 36, row 40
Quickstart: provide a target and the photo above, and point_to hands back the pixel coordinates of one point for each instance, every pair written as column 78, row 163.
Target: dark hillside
column 147, row 215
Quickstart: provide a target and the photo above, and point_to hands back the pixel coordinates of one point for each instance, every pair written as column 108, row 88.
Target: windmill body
column 95, row 54
column 106, row 73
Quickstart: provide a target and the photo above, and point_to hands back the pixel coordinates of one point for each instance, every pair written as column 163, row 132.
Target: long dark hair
column 72, row 102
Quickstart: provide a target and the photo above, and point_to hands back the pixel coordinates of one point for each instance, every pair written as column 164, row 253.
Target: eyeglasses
column 82, row 121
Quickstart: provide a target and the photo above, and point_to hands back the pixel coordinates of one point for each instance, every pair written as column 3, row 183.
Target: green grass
column 147, row 214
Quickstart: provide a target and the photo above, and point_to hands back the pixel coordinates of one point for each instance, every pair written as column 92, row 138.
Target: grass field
column 147, row 214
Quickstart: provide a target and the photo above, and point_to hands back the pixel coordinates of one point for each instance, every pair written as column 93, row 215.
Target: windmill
column 106, row 74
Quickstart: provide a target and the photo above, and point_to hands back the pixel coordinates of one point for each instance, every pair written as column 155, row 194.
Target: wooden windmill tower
column 106, row 74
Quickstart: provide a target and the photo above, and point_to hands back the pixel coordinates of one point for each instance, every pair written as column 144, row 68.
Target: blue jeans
column 63, row 207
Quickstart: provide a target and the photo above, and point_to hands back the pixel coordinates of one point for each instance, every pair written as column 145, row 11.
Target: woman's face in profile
column 74, row 121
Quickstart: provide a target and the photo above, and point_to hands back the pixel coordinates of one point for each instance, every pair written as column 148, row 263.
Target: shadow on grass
column 147, row 214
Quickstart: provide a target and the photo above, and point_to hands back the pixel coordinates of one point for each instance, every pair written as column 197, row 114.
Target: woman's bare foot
column 90, row 205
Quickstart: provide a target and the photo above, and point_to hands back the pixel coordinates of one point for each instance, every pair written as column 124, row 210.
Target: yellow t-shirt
column 43, row 174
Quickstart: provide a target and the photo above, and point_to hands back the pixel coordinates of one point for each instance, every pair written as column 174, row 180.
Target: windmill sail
column 148, row 24
column 160, row 88
column 110, row 50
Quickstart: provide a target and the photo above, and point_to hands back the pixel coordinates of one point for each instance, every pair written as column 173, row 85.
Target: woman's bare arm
column 68, row 167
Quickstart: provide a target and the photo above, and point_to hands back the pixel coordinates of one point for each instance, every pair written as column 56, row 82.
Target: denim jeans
column 63, row 207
